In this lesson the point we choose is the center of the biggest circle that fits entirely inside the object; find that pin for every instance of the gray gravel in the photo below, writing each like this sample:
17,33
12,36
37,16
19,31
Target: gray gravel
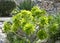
2,37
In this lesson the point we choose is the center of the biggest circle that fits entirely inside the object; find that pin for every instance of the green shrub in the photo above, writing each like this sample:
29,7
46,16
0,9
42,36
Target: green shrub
31,26
6,7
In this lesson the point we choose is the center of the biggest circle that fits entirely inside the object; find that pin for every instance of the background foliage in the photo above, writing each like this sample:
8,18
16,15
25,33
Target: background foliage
25,5
6,7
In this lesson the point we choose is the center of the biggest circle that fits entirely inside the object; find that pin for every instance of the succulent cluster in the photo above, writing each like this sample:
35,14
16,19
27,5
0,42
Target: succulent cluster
25,22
